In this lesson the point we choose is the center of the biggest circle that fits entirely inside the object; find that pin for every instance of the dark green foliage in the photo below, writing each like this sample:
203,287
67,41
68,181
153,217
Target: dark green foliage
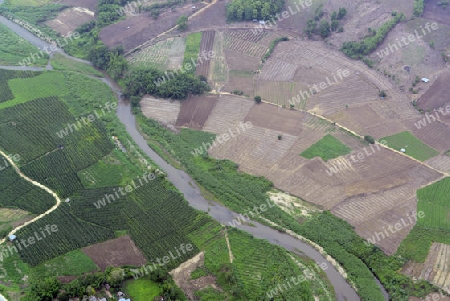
334,25
369,139
182,23
311,26
356,49
257,99
341,14
45,290
324,28
240,10
272,47
72,233
108,11
382,93
154,82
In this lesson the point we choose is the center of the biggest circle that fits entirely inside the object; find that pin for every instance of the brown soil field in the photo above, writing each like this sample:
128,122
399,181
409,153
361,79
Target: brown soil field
206,46
436,134
89,4
162,110
135,31
435,269
195,111
70,19
236,82
115,252
437,95
436,13
239,61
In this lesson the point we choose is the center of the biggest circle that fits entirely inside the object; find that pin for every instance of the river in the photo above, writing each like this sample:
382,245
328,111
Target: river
184,183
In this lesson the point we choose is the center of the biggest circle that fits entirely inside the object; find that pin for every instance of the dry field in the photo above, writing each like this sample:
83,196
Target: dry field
70,19
370,194
135,31
436,13
195,111
206,46
435,269
436,134
437,95
162,110
115,252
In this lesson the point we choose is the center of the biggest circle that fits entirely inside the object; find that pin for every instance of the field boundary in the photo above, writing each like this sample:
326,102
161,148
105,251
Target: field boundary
58,200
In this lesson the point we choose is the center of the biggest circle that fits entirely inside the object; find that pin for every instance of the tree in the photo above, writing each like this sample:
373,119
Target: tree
46,289
369,139
334,16
291,106
382,93
257,99
182,22
310,27
324,28
280,137
342,12
334,25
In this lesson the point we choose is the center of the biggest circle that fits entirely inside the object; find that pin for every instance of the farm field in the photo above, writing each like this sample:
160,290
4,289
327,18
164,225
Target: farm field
164,55
14,49
434,11
434,200
142,289
413,146
327,148
61,63
136,31
70,19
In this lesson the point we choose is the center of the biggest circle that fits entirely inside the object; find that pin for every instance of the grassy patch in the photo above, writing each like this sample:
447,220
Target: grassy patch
14,49
113,170
327,148
74,263
142,289
434,200
41,86
192,49
413,146
60,62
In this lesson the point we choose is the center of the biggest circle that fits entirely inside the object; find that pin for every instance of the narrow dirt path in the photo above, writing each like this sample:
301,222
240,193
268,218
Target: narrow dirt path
58,200
230,253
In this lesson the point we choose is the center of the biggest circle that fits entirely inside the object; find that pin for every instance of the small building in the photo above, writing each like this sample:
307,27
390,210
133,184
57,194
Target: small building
403,150
12,237
262,22
425,80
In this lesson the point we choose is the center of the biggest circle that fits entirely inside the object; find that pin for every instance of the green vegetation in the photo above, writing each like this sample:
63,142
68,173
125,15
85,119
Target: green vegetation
413,146
13,49
356,49
434,200
417,244
272,47
327,148
369,139
246,10
325,28
5,75
257,99
182,23
192,49
74,263
142,289
60,62
419,6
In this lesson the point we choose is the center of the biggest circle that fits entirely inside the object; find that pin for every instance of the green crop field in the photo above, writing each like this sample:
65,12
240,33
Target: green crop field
60,62
192,48
413,146
14,49
5,92
327,148
434,200
142,289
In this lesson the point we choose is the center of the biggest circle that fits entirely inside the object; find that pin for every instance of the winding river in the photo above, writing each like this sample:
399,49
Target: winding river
184,183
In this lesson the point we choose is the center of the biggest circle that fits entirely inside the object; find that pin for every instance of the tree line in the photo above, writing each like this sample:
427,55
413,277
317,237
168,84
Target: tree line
245,10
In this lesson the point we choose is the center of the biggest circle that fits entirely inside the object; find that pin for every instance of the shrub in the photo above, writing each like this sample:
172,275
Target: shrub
257,99
382,93
369,139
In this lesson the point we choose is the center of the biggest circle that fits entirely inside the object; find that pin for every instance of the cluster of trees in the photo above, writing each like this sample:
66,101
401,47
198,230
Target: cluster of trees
154,82
325,27
48,289
356,49
245,10
107,11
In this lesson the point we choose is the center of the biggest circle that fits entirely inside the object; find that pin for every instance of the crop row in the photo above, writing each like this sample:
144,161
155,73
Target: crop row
5,75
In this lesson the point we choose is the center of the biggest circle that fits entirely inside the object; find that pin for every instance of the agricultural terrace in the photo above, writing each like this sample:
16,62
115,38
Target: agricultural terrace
70,19
327,148
13,49
413,147
164,55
